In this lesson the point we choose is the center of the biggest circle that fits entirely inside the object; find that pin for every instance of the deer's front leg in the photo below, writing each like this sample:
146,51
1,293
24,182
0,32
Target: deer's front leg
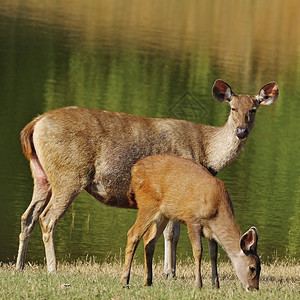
171,236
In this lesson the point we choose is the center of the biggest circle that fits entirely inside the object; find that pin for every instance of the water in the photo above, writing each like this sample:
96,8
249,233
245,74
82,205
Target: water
153,59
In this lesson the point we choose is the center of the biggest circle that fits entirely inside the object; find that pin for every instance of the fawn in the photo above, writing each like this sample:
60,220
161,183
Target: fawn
167,188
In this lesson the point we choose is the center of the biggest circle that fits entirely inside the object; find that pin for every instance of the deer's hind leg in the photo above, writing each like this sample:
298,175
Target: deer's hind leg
40,198
63,194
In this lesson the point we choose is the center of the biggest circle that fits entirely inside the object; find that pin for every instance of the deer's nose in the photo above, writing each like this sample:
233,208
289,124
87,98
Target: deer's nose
242,132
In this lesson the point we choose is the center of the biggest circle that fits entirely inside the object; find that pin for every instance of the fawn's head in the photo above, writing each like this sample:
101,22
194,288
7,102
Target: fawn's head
244,107
247,266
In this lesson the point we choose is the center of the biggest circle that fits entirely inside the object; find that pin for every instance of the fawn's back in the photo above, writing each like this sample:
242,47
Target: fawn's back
179,188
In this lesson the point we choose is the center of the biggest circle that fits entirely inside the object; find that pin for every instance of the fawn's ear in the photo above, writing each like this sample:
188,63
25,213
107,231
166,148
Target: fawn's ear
268,93
222,91
248,241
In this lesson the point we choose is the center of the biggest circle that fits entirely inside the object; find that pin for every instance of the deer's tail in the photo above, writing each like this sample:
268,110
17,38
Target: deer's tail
26,139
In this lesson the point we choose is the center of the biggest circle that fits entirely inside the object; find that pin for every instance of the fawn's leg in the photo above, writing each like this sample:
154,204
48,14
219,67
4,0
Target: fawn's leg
150,238
213,253
144,220
195,237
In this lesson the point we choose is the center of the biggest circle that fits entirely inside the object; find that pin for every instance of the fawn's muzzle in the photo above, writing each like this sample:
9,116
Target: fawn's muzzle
252,288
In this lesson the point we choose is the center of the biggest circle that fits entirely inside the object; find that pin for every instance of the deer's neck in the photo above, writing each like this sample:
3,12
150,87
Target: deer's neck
222,146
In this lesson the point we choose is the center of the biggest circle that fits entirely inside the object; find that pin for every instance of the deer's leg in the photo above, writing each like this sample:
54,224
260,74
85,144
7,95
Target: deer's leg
195,237
213,253
150,238
171,236
55,209
144,220
40,198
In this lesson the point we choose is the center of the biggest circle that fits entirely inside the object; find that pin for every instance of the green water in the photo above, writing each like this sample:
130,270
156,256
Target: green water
156,59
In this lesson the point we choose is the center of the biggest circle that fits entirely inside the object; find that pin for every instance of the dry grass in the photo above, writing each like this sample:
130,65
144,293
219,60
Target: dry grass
90,280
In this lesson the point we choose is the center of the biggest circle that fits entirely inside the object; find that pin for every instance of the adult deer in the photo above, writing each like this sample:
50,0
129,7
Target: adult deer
71,149
167,188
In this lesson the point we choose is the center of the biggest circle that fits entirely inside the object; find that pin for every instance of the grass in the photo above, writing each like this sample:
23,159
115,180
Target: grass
91,280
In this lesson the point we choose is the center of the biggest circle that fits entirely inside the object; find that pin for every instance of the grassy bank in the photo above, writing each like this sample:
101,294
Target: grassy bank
90,280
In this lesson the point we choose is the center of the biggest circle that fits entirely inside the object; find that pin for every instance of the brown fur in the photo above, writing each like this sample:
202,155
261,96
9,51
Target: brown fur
26,139
172,188
71,149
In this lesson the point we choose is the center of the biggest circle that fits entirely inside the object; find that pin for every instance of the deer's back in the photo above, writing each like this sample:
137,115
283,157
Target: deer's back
102,146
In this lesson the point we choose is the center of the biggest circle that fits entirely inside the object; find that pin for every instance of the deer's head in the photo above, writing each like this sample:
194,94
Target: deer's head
244,107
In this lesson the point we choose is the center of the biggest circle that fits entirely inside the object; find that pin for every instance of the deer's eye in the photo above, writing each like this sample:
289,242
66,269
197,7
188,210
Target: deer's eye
252,269
233,109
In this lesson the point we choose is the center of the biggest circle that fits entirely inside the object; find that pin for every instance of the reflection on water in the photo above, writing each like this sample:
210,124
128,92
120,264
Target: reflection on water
141,58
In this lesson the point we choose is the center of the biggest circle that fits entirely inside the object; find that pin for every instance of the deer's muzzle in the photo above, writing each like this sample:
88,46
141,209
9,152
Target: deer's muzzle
242,132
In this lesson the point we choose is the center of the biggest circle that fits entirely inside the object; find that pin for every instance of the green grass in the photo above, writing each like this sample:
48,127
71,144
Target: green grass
90,280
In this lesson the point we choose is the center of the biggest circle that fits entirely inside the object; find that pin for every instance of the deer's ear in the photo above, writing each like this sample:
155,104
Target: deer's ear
268,93
248,241
222,91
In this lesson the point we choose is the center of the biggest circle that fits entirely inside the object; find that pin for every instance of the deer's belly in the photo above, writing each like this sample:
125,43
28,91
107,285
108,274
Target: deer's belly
109,194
